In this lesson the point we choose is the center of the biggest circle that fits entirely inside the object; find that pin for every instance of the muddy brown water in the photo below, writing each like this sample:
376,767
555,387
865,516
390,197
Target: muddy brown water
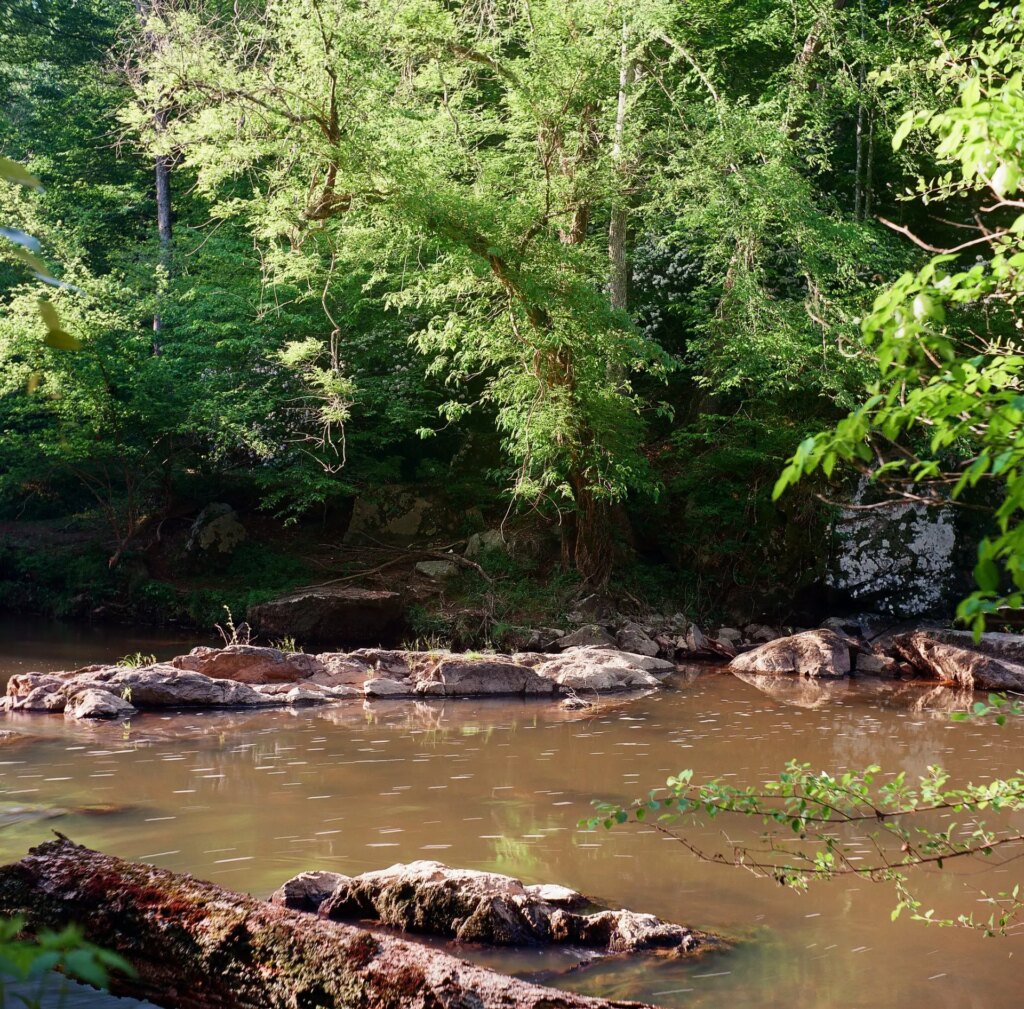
249,799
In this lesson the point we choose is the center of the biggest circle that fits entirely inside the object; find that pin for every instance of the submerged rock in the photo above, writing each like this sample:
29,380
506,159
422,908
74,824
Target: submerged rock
823,652
486,907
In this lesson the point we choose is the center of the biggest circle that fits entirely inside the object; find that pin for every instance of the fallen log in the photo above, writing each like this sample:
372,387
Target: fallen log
196,945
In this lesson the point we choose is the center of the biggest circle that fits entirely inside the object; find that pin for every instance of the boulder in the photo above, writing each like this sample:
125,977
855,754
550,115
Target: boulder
307,891
437,570
1005,647
217,529
633,638
582,637
599,669
250,664
809,653
960,667
458,676
471,906
401,513
381,686
341,669
332,613
730,635
490,540
873,664
761,633
93,703
695,640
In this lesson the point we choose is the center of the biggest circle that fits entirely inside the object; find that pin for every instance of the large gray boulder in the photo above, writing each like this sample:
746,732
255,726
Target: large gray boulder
250,664
457,676
332,614
471,906
823,652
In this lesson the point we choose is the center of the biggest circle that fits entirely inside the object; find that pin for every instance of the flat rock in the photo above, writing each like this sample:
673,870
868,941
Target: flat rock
250,664
457,676
437,570
331,613
92,703
341,668
486,907
381,686
822,652
960,667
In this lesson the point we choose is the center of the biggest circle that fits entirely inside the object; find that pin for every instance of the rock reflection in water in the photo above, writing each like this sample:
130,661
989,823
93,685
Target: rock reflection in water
903,695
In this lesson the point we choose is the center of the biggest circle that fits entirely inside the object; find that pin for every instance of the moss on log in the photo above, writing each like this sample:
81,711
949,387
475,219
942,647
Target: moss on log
196,945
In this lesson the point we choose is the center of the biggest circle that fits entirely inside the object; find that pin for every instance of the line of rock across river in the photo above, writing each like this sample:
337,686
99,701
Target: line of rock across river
248,676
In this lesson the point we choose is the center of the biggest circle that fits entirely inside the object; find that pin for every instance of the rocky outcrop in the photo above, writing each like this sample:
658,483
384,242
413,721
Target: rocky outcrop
250,664
251,676
332,614
156,686
485,907
959,667
823,652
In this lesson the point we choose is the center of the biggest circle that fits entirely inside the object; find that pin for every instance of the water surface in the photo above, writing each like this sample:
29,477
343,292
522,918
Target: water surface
248,799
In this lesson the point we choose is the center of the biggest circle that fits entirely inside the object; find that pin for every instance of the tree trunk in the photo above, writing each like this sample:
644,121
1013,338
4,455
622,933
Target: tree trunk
162,166
198,946
618,282
593,550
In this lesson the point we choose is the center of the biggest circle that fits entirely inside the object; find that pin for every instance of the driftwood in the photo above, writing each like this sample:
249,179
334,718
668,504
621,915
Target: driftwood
196,945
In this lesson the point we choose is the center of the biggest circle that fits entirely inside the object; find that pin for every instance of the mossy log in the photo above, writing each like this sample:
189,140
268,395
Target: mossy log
196,945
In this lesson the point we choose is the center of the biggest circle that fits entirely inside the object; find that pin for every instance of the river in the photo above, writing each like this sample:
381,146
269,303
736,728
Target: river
249,799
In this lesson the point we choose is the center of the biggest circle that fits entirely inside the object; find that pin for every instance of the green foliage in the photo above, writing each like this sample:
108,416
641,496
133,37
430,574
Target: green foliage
815,825
943,418
34,959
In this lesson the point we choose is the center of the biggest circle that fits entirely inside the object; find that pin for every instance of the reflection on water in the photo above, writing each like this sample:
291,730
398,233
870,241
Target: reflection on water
248,799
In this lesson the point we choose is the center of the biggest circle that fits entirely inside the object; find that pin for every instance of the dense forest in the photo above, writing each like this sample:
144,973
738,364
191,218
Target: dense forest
584,272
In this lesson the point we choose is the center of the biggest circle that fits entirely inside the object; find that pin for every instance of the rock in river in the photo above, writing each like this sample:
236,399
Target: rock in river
822,652
486,907
961,667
